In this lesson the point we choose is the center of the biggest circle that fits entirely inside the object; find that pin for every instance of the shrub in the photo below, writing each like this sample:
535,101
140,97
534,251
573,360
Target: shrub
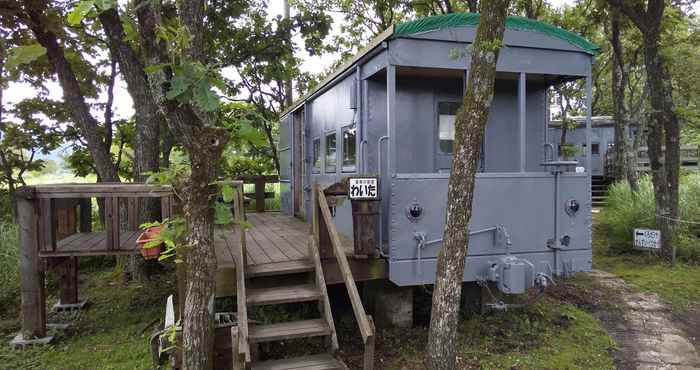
626,211
9,266
5,207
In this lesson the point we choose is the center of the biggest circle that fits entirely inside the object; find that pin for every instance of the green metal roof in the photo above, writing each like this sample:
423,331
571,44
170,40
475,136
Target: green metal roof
439,22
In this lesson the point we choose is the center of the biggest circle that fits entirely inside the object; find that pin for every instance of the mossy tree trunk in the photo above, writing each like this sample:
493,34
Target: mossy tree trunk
663,128
625,155
204,143
470,125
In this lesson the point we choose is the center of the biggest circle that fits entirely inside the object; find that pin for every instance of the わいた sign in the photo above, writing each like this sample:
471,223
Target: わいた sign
363,188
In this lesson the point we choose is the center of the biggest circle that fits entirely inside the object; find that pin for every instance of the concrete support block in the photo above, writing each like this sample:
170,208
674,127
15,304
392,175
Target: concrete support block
18,342
392,305
64,307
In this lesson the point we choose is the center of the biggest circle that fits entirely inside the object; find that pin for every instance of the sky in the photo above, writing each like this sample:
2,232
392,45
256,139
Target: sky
123,105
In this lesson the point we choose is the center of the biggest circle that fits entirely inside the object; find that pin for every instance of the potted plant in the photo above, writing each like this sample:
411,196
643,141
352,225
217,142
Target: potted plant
569,150
161,240
150,242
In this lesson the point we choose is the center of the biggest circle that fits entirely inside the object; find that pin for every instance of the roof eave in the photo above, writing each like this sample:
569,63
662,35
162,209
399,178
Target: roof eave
340,70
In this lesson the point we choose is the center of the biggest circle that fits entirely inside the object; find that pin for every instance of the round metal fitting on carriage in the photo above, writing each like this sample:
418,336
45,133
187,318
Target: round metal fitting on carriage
414,211
572,206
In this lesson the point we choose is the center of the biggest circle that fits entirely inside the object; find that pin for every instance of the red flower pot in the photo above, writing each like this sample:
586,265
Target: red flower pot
146,236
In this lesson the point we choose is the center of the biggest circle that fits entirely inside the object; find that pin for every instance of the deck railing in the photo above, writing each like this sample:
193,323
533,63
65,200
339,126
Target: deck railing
239,334
323,224
690,157
55,223
259,195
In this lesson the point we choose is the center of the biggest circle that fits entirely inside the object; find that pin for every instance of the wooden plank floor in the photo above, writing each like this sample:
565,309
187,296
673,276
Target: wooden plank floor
273,237
94,243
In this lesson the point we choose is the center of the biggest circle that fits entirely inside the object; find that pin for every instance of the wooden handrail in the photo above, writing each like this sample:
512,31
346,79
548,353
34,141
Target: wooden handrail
259,194
363,320
242,350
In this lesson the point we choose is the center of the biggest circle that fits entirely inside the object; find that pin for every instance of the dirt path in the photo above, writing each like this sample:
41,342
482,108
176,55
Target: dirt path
645,329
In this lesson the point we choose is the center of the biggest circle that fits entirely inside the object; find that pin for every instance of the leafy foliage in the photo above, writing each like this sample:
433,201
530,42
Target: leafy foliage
9,268
626,211
24,54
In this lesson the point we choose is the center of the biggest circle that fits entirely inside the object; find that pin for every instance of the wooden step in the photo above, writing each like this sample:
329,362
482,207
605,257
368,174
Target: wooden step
288,330
283,294
279,268
314,362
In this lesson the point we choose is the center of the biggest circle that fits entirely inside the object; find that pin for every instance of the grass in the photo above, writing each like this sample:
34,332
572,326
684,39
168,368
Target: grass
679,286
9,267
108,335
549,334
626,211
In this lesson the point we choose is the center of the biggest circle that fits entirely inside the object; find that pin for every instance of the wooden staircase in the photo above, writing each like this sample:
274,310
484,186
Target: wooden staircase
299,281
599,191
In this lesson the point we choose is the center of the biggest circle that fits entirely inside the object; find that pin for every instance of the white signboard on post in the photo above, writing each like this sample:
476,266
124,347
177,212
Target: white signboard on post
363,188
647,239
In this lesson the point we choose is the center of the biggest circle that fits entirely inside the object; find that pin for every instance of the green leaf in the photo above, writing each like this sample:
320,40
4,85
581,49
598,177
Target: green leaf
251,134
205,98
80,12
24,54
227,193
222,214
103,5
178,86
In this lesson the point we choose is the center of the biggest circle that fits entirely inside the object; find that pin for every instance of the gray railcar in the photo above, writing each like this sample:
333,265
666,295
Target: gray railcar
390,112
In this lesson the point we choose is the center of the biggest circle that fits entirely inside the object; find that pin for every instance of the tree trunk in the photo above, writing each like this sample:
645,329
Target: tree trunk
470,125
166,147
625,156
147,115
664,129
72,96
204,145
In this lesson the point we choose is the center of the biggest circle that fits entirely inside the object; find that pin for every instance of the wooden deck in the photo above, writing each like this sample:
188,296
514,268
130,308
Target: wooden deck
274,237
93,244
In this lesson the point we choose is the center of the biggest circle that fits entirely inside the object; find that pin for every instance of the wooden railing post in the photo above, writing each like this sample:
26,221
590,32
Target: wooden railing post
368,360
242,351
112,222
85,205
47,225
31,271
68,280
260,194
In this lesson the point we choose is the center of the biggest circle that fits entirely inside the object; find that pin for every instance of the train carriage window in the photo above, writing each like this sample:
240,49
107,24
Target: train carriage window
317,155
331,153
349,134
447,112
595,149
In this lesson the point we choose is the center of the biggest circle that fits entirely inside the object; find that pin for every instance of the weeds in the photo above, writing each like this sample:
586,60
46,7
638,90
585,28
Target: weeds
9,266
626,211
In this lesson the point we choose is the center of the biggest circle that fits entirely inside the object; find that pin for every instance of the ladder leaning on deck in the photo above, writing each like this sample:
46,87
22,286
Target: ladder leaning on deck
260,285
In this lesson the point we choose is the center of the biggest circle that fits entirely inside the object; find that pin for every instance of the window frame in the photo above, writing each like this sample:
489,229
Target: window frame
316,155
349,168
326,169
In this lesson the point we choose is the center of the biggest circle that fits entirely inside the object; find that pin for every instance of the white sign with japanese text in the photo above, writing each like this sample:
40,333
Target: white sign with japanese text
363,188
647,239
